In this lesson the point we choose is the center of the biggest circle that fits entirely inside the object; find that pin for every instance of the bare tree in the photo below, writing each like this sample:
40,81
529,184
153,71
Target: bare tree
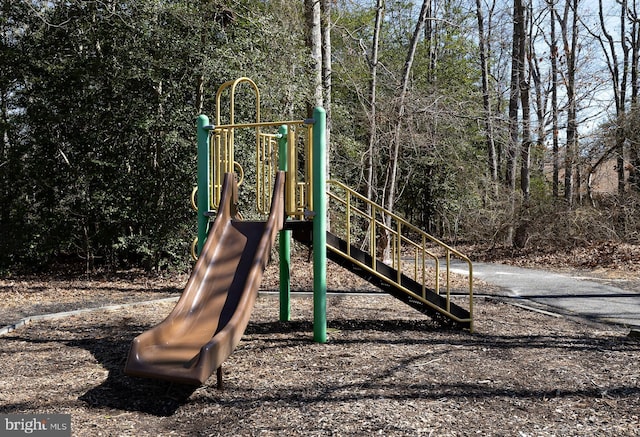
634,38
492,159
622,56
569,33
431,36
514,94
392,171
620,82
554,100
373,86
524,53
619,72
514,106
541,93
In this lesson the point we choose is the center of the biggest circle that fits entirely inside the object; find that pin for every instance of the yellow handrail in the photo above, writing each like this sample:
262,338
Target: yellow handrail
404,239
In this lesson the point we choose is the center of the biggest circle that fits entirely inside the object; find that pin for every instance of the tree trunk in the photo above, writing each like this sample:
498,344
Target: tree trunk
525,94
395,150
514,95
314,42
620,134
554,102
634,152
541,99
200,95
431,36
570,44
486,100
326,71
514,99
619,81
373,84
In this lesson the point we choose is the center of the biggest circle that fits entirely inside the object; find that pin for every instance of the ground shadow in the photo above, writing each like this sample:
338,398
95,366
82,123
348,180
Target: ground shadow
110,345
122,392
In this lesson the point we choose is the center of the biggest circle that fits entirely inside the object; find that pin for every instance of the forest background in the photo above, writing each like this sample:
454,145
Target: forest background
498,123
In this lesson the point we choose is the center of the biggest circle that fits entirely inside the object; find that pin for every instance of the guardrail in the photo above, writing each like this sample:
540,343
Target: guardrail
410,251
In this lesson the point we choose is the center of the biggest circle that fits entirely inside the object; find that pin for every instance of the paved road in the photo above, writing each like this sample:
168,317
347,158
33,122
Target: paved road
574,295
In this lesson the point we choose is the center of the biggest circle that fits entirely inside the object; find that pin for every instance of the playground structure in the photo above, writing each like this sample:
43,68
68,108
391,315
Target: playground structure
209,319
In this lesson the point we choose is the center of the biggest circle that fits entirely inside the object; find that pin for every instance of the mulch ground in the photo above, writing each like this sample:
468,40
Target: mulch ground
386,369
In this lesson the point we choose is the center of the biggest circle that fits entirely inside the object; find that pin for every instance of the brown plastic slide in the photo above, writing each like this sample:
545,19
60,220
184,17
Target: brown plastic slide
208,321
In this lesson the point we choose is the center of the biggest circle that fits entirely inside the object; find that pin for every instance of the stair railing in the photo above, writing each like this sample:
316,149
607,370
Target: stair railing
361,222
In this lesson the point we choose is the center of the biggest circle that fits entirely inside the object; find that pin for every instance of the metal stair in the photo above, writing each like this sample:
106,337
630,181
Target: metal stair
407,290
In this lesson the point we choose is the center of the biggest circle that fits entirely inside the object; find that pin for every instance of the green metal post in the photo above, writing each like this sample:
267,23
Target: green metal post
319,226
285,238
203,180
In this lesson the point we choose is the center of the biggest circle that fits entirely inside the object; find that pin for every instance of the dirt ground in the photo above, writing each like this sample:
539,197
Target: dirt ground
386,369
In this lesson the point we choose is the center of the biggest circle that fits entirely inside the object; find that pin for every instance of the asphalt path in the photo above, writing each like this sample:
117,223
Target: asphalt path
563,293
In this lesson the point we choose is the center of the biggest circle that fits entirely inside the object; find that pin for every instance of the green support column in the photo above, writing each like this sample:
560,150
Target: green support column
285,238
203,180
319,226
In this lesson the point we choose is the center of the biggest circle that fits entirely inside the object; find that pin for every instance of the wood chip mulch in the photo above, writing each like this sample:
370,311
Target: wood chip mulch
385,370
